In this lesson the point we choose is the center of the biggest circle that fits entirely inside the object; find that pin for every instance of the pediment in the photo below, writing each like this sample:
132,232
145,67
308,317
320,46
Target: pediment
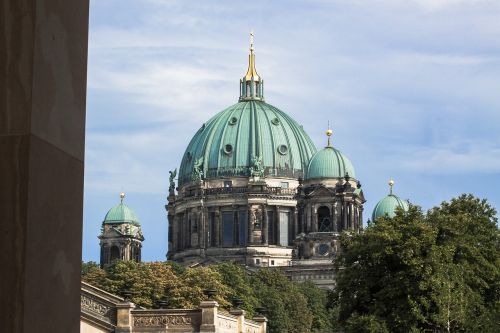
322,192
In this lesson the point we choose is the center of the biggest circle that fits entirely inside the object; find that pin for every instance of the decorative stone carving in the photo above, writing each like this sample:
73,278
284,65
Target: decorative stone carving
256,217
256,166
93,306
162,320
198,169
171,188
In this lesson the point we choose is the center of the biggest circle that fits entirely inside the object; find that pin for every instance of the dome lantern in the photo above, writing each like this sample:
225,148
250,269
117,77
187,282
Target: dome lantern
251,85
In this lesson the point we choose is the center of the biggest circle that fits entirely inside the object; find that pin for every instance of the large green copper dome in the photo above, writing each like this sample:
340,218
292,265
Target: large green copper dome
329,163
387,206
121,214
232,141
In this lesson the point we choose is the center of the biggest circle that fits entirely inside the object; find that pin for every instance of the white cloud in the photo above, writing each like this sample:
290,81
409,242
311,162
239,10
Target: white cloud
461,158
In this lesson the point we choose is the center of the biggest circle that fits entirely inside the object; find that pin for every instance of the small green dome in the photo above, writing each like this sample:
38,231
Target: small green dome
231,142
121,214
387,206
329,163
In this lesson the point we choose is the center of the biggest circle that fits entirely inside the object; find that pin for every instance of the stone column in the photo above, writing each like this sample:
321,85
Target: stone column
175,239
314,218
344,215
249,226
262,321
295,218
43,52
278,227
218,237
265,226
240,314
360,226
124,317
334,217
209,318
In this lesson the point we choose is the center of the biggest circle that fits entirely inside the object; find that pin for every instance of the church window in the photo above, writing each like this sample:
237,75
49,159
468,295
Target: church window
233,121
272,262
282,149
257,261
284,184
227,228
324,222
228,149
115,253
228,183
271,228
211,229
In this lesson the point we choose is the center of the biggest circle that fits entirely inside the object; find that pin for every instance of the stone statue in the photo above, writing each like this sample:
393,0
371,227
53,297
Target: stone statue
173,174
256,218
256,167
198,169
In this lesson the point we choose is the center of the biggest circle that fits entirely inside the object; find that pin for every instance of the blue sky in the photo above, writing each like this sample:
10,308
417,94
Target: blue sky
411,90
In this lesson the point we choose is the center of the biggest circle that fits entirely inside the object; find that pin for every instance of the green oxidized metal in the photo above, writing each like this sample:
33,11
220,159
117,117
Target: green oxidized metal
121,214
329,163
387,206
247,139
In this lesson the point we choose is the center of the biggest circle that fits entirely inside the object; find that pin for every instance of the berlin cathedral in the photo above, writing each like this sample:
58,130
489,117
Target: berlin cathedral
253,189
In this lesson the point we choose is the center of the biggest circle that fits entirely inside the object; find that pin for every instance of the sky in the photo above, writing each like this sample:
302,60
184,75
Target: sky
411,90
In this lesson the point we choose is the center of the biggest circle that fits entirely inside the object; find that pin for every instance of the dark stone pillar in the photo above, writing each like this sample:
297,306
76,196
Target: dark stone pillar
295,218
218,229
43,70
265,225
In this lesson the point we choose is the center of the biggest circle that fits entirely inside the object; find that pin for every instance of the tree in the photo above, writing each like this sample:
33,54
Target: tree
439,271
287,307
317,303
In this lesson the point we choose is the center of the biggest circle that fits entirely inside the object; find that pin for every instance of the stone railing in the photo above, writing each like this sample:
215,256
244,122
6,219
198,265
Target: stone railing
252,327
98,307
227,323
240,190
104,312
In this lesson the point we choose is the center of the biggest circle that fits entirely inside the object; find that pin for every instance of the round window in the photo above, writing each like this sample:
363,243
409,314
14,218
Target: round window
233,121
323,249
282,149
275,121
228,149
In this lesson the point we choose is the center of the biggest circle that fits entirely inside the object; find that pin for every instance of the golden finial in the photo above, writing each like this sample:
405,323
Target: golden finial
329,133
251,72
251,41
391,184
122,195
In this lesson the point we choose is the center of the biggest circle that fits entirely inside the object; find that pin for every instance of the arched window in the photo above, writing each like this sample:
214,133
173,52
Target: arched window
115,253
324,222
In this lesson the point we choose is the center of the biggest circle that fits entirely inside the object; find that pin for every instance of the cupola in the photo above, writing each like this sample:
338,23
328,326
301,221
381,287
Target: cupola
251,85
329,163
388,205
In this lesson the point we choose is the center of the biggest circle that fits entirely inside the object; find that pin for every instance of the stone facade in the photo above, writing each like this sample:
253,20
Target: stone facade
265,222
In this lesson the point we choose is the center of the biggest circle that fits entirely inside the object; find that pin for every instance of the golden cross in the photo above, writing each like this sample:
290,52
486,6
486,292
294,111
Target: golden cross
251,39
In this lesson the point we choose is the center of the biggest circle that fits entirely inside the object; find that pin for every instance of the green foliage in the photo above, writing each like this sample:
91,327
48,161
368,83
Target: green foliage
292,307
365,324
438,271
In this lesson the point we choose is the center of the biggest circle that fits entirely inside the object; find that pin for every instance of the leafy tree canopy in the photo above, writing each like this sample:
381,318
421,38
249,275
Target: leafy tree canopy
437,272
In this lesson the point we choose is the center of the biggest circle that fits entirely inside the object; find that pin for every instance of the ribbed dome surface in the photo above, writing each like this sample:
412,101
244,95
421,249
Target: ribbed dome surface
225,145
329,163
121,214
387,206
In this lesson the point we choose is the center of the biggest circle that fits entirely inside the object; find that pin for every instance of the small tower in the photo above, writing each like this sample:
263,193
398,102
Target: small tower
121,236
330,200
387,206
